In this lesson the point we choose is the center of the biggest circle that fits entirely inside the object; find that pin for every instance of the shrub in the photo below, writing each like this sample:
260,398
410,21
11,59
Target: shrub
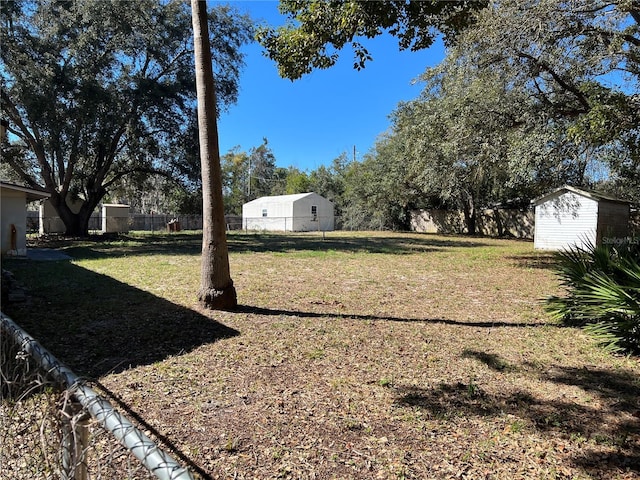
603,293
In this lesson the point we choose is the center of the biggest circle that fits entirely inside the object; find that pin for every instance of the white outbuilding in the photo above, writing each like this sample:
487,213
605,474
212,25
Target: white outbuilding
571,216
302,212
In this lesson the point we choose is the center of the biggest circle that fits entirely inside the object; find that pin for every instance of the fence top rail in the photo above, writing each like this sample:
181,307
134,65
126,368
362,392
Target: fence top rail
158,462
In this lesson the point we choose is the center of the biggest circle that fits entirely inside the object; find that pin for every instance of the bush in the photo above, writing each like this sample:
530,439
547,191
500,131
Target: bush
603,293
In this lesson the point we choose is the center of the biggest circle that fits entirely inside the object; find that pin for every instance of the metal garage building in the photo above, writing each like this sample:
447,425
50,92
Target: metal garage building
302,212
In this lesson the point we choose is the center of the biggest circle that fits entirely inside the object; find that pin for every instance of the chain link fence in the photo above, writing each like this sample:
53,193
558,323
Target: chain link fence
136,221
54,426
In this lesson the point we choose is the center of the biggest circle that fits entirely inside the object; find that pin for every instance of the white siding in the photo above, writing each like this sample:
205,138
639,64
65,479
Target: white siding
288,213
565,219
277,213
303,218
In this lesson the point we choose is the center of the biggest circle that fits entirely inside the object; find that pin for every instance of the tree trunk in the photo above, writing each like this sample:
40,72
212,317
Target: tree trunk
499,224
76,224
469,210
216,287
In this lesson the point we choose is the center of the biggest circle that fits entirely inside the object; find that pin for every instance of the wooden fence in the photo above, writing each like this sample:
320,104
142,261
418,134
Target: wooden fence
490,222
137,221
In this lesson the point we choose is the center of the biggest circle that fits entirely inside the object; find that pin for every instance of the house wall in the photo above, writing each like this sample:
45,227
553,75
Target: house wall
613,222
565,219
14,212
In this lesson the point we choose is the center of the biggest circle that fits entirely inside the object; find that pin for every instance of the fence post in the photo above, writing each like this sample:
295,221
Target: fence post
75,441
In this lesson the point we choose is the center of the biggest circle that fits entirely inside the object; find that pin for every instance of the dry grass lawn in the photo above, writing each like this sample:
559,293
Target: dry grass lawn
364,356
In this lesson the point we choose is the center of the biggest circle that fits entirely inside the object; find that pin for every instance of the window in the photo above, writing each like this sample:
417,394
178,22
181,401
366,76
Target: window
264,212
314,213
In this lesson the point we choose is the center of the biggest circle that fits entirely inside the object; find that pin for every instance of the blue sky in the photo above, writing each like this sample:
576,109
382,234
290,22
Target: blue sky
313,120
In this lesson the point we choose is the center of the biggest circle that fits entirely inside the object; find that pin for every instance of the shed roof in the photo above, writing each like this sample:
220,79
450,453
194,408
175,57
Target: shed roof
282,198
32,193
578,191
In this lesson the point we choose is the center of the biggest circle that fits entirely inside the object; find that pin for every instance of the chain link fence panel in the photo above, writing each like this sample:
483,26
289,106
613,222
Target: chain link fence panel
54,426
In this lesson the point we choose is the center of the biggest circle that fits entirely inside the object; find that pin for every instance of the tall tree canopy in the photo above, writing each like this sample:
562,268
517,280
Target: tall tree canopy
578,65
235,180
99,90
318,29
262,165
531,95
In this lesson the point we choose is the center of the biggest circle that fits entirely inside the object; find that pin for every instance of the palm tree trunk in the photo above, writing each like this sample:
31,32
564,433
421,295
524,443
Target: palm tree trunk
216,287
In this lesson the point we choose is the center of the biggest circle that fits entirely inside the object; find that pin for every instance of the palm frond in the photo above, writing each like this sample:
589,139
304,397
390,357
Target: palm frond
603,293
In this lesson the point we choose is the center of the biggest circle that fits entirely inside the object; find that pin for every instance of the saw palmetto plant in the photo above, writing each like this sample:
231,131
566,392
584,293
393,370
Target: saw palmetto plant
603,293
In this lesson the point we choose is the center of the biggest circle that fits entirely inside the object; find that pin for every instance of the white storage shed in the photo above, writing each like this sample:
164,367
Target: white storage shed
302,212
115,218
572,216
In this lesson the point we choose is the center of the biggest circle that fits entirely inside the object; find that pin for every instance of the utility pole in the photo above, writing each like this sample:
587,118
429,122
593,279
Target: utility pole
249,182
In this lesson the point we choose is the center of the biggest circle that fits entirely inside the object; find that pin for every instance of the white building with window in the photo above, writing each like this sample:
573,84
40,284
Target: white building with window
302,212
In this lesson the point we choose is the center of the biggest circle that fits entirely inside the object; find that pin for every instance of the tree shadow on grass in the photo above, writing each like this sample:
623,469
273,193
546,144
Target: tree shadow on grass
491,360
620,385
97,325
619,389
542,261
120,245
190,243
385,318
612,421
346,242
